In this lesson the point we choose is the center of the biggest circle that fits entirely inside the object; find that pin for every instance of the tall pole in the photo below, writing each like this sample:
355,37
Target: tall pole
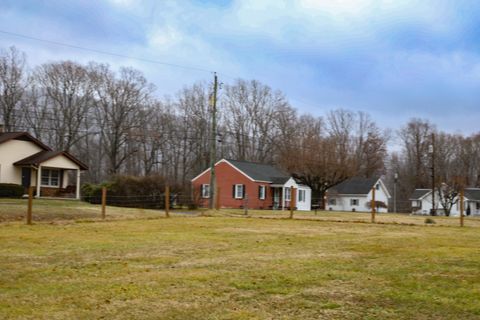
461,206
432,152
395,178
213,140
373,204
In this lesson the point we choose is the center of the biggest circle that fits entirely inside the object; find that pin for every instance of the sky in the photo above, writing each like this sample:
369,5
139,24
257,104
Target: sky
394,59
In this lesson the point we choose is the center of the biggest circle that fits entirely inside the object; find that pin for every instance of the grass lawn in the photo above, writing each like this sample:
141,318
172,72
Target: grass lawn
47,210
237,268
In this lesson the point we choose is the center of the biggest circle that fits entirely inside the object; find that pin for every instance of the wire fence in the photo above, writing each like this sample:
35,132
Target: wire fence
114,206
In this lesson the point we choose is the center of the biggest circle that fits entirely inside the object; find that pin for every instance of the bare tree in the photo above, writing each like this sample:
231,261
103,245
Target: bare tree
69,90
118,102
12,86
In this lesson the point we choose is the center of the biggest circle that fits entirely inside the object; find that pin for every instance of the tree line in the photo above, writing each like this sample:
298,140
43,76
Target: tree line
114,122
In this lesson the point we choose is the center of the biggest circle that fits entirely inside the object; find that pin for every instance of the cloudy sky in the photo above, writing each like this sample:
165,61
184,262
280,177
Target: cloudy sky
394,59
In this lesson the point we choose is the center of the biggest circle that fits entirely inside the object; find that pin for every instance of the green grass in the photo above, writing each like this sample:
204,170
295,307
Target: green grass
237,268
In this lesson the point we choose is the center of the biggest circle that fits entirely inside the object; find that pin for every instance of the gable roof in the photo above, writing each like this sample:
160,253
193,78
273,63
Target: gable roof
420,193
472,194
355,185
42,156
254,171
260,171
24,136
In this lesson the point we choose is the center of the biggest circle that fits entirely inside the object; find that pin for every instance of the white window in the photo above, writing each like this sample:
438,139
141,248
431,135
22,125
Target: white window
239,191
261,192
416,204
301,195
50,177
287,194
354,202
332,201
205,191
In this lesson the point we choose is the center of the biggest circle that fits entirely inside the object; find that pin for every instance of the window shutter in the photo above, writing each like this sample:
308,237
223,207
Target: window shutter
201,190
243,195
259,192
233,192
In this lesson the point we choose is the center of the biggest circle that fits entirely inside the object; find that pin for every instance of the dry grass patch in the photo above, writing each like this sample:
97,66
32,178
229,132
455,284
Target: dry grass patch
235,268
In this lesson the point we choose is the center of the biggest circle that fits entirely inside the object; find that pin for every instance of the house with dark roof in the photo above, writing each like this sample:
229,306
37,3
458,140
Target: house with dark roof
421,202
26,161
355,194
256,185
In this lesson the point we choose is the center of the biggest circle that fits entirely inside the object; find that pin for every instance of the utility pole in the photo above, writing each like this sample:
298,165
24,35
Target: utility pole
395,179
213,140
431,150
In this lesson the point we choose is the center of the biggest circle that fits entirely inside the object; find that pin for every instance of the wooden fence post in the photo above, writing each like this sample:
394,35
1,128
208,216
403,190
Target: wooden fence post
461,207
104,202
245,205
217,199
292,201
30,203
167,202
373,205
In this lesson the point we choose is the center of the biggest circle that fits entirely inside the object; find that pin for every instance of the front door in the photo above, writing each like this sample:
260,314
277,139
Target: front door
26,177
276,198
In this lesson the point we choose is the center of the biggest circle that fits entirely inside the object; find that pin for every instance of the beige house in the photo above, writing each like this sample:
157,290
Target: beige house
25,160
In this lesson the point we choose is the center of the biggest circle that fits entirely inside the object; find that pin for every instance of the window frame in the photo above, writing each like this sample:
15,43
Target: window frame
288,194
354,202
332,201
262,192
238,187
47,174
301,195
205,195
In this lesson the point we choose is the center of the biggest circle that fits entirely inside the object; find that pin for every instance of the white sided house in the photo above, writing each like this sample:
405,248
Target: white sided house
355,194
421,202
26,161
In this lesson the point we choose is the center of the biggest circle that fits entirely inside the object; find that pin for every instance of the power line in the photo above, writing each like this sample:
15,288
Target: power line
67,45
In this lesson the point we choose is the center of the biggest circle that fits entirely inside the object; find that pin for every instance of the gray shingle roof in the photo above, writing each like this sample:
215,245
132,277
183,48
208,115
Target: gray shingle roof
472,194
419,193
260,171
355,185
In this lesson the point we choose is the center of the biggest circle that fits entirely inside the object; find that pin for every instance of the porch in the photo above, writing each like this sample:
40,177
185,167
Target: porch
50,174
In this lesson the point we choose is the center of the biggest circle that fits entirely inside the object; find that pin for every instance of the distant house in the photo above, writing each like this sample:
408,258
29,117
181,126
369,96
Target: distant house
355,194
421,202
256,185
26,161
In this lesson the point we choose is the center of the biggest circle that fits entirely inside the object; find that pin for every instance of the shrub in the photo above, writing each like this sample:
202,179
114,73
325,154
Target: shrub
131,191
11,190
429,221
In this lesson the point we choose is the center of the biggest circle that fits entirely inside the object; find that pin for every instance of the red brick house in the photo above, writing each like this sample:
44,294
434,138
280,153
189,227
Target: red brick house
257,185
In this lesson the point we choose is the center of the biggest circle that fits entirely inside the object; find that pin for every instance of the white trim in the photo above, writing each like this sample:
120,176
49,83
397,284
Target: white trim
39,179
226,161
204,185
236,191
263,195
50,171
426,194
204,171
77,190
384,188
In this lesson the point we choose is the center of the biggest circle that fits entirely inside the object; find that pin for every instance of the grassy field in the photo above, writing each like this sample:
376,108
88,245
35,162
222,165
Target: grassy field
229,267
